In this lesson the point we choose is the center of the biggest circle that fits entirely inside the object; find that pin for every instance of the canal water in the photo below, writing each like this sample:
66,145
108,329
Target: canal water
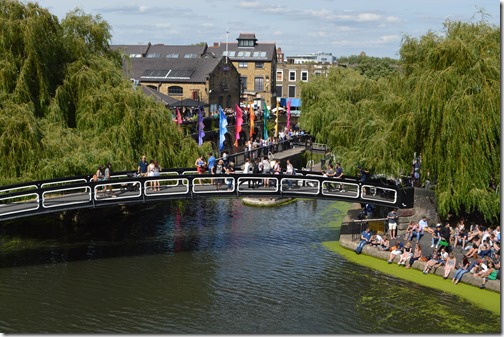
209,266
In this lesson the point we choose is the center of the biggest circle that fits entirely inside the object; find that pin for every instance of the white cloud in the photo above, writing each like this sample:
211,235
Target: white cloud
367,17
388,39
249,4
318,34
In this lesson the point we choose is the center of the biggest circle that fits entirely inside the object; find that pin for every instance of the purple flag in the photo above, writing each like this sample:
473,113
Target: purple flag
201,127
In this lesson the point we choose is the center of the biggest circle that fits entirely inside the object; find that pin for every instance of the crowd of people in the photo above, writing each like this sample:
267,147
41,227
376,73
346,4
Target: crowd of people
253,165
477,247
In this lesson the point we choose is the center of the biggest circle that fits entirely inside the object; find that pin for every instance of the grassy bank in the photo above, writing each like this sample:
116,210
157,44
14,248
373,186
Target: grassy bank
485,299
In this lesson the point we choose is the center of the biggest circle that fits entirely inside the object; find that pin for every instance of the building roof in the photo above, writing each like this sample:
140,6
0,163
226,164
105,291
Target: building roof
158,96
261,52
191,70
162,51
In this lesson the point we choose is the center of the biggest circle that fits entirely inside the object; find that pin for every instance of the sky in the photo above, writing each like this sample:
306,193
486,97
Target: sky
342,28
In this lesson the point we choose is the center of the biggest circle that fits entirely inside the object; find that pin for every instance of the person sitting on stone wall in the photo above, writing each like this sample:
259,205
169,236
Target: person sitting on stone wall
417,254
434,262
365,239
489,274
406,255
395,250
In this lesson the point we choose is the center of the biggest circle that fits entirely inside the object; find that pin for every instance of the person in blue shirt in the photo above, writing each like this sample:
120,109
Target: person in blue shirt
365,239
142,167
211,161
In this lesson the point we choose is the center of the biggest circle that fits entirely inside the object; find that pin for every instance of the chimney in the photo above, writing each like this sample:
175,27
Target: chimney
216,44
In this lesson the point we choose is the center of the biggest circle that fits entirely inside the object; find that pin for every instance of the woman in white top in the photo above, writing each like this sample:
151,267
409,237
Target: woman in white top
150,173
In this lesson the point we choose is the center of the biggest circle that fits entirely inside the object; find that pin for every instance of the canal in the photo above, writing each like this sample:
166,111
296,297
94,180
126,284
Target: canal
209,266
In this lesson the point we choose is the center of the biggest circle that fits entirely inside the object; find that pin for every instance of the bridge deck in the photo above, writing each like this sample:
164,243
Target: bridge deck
79,192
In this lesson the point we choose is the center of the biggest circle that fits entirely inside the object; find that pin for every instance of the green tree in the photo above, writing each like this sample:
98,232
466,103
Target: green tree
443,103
66,105
371,67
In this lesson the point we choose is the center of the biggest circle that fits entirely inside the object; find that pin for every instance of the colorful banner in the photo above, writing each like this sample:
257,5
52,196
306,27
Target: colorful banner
179,117
201,127
276,121
239,122
252,118
288,114
265,117
222,128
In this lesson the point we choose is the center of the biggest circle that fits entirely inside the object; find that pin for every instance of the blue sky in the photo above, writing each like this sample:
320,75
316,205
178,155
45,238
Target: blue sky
342,28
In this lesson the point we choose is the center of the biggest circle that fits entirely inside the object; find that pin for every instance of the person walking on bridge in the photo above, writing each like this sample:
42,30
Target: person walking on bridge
339,175
108,188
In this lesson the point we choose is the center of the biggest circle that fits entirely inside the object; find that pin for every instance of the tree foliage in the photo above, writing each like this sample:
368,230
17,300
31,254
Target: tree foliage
371,67
65,105
443,103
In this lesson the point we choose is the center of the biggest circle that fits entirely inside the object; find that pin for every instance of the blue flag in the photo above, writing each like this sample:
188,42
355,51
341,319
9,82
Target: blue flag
201,127
266,116
222,128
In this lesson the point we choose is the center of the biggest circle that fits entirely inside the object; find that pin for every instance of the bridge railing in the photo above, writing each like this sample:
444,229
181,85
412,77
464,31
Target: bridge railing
79,192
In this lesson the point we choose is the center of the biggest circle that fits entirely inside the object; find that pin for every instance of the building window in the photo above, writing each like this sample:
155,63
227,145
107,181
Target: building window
243,80
175,90
304,76
153,56
242,64
279,76
292,75
279,91
191,56
292,91
195,94
259,65
245,43
258,84
172,56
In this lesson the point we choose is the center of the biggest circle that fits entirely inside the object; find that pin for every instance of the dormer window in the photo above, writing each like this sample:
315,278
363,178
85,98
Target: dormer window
245,43
247,40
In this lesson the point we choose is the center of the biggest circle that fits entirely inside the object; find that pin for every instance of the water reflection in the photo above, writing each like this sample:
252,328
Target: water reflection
212,266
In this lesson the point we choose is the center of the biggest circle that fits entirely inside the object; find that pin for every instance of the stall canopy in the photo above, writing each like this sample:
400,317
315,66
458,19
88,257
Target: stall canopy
295,102
188,102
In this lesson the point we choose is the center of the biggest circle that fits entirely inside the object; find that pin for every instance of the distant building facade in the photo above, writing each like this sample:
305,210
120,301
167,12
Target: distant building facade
183,73
298,69
256,62
191,72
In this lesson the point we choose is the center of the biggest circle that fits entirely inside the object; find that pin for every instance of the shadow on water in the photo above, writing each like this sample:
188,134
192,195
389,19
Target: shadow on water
165,228
94,234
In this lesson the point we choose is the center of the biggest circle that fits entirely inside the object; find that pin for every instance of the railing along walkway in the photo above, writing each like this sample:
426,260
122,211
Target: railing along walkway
123,187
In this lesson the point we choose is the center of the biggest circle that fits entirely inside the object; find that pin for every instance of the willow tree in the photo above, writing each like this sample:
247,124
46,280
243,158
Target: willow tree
444,105
356,117
453,107
66,105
